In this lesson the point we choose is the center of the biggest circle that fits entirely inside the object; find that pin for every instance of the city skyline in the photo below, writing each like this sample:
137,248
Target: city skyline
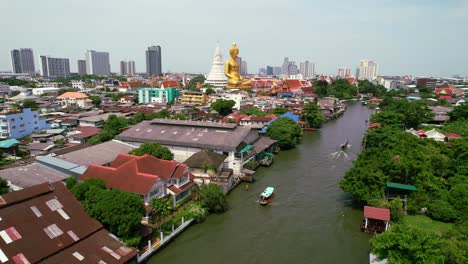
396,34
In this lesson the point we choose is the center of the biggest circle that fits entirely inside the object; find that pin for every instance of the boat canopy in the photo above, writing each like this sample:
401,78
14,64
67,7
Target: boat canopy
268,192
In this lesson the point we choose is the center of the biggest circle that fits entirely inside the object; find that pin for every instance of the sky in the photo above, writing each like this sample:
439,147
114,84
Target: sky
415,37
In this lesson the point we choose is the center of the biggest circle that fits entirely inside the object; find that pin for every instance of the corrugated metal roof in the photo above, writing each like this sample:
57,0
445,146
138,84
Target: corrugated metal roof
8,143
56,162
401,186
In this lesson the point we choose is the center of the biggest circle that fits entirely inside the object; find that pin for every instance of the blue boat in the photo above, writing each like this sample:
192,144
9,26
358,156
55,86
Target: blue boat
267,196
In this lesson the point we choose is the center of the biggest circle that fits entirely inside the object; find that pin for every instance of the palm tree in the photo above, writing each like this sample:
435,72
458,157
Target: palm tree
162,207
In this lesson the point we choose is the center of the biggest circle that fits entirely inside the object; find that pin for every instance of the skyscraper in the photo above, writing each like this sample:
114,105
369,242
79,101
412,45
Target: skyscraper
131,68
123,68
153,61
244,70
344,72
81,67
269,70
97,63
55,67
307,69
22,61
285,66
368,70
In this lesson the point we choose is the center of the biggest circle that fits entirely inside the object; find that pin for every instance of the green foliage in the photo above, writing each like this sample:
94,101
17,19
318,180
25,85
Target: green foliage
17,82
396,209
342,89
119,212
223,107
460,127
408,245
365,86
111,128
161,207
179,116
458,197
442,210
251,165
312,115
388,118
210,91
153,149
30,104
96,99
193,82
70,182
285,131
253,112
59,142
459,112
321,88
414,113
196,211
280,111
4,188
213,198
62,91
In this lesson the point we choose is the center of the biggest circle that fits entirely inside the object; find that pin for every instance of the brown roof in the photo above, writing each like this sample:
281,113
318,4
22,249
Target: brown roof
31,174
135,174
199,159
45,222
263,143
377,213
86,131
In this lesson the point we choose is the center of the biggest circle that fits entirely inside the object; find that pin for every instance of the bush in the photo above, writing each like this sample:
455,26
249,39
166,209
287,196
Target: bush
70,182
213,198
442,210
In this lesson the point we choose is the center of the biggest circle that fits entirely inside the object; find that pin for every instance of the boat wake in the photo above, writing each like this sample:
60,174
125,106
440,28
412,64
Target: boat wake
339,155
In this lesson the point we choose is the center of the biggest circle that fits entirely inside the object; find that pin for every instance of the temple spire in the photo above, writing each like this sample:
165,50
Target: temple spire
216,76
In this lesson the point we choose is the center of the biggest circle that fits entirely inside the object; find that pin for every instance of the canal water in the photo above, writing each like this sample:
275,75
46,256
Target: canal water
310,220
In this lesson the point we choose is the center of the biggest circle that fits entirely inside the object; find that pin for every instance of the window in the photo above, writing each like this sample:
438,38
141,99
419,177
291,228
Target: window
12,120
13,127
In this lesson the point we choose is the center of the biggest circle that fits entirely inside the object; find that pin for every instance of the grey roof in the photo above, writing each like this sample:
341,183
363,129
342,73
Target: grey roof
31,174
59,163
204,135
199,159
263,143
98,154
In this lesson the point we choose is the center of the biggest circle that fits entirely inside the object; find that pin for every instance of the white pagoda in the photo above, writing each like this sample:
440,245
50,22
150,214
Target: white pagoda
216,76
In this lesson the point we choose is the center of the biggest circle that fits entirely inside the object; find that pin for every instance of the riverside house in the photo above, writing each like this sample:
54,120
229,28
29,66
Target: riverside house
185,138
146,176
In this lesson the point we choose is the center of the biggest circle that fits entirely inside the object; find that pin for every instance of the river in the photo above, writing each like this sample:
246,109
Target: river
310,220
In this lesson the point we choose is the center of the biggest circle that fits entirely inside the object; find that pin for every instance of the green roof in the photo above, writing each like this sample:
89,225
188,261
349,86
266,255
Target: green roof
401,186
246,148
8,143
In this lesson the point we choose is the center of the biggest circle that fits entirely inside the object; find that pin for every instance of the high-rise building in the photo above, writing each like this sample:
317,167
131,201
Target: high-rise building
368,70
292,69
216,77
277,70
269,70
22,61
153,61
55,67
285,66
131,68
344,72
123,68
97,63
243,67
81,67
307,69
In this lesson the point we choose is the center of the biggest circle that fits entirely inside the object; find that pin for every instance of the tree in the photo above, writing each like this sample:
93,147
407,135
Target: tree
223,107
280,110
253,111
210,91
30,104
153,149
4,188
388,118
408,245
193,82
161,208
213,198
179,116
96,99
285,131
312,115
70,182
459,112
80,190
321,88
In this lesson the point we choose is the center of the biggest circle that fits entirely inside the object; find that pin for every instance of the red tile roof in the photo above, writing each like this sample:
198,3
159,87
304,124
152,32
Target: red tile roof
136,174
377,213
170,83
453,136
373,125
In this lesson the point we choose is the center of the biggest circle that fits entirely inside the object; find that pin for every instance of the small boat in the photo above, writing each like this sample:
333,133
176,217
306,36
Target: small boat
345,145
267,196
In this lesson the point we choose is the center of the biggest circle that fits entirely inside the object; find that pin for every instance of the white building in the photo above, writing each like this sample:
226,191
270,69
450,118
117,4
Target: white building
44,90
368,70
70,99
307,69
216,77
242,99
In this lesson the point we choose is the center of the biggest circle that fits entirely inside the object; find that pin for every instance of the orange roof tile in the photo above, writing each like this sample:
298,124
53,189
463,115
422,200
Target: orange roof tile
76,95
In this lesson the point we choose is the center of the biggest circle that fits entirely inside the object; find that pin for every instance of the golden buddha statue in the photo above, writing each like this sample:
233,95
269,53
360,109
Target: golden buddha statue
231,70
